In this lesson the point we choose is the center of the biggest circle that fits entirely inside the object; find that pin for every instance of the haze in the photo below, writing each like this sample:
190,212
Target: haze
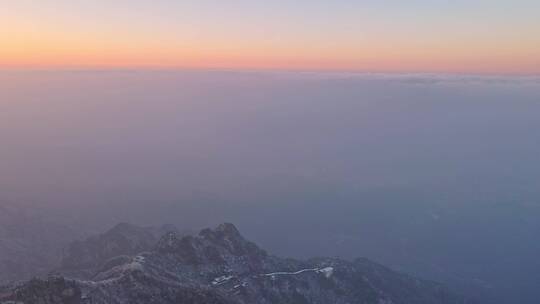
431,174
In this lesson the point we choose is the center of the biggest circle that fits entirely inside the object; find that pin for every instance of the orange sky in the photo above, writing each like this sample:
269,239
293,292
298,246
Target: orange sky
59,36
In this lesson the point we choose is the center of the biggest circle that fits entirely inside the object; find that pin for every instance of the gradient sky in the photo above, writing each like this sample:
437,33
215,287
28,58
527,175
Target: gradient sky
415,36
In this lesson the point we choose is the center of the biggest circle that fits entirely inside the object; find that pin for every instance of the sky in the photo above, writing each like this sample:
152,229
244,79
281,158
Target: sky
481,36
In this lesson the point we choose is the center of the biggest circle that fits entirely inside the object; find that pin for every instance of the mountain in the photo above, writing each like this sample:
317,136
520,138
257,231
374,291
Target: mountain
82,258
35,241
219,266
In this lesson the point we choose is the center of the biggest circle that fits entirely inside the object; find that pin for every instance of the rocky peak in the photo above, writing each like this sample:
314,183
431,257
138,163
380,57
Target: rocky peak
210,246
225,230
83,258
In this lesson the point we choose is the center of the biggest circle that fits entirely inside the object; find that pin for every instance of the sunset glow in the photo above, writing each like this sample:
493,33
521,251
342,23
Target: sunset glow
417,36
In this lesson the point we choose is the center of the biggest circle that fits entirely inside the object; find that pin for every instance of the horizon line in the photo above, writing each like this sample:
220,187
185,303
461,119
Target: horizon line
261,70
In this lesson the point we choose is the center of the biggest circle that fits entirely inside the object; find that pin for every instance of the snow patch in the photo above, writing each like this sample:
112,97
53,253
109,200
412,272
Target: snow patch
221,280
136,264
327,271
244,284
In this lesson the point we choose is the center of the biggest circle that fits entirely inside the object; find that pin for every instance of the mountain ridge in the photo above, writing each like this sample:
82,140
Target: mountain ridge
220,266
